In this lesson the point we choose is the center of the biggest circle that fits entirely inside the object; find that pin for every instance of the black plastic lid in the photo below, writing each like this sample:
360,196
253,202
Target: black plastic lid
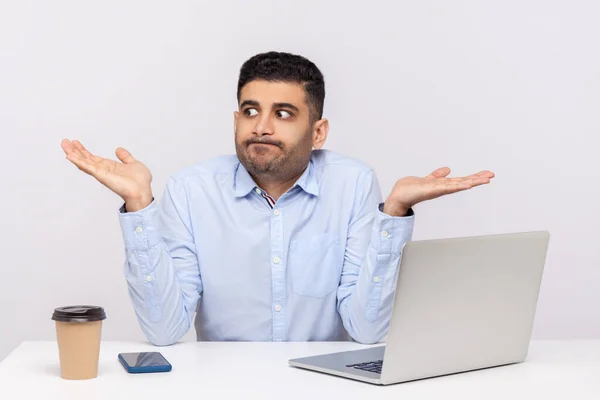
79,314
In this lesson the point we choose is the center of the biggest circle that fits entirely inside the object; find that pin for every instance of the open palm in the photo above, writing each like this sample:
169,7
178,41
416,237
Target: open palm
412,190
129,178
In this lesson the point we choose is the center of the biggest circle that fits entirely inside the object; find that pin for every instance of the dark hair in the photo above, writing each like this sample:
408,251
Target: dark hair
285,67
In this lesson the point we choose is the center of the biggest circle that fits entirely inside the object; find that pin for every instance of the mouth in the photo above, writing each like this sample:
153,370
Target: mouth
262,144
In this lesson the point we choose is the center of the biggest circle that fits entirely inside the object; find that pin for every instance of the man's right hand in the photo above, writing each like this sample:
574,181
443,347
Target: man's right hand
129,178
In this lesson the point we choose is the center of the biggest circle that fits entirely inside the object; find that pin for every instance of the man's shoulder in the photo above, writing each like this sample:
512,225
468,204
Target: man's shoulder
331,161
207,169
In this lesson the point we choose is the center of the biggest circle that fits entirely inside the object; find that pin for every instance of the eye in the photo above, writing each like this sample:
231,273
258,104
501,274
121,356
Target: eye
283,114
251,112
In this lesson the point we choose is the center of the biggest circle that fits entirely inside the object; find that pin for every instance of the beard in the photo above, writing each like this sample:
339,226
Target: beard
272,160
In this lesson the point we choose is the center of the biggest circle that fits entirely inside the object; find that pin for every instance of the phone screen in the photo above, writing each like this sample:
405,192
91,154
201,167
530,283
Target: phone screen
146,359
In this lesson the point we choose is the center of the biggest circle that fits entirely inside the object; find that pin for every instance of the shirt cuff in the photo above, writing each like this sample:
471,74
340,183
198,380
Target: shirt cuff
139,228
389,234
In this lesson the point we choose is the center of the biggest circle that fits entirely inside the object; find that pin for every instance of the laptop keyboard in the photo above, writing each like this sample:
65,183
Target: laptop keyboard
371,366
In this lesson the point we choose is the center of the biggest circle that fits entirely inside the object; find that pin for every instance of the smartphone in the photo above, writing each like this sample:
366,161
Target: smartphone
137,363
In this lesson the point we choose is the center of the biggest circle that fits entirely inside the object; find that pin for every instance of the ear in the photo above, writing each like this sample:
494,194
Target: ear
320,132
235,120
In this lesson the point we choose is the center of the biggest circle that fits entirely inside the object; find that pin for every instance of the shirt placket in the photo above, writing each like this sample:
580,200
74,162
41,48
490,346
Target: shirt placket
278,275
277,267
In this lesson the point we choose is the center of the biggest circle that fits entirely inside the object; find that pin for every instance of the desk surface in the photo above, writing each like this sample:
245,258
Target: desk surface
561,369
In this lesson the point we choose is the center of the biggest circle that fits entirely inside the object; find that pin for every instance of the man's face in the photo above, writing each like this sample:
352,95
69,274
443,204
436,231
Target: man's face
273,130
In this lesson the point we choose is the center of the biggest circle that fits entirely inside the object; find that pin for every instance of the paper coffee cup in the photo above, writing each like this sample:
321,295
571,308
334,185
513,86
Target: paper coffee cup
78,331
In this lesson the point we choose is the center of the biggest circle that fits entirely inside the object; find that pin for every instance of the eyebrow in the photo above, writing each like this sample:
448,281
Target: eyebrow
255,103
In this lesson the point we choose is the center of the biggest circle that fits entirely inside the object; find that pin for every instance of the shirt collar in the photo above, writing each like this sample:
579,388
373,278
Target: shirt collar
308,180
242,181
244,184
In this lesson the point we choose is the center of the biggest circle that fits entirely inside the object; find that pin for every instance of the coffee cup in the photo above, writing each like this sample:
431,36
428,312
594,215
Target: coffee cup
78,332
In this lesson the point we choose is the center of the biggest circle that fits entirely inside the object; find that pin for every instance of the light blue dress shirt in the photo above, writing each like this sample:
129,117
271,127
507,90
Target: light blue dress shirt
320,265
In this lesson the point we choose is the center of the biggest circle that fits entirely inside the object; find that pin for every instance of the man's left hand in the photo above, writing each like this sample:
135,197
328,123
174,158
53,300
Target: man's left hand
412,190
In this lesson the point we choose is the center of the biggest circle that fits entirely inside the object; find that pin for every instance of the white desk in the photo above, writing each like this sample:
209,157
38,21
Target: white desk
204,370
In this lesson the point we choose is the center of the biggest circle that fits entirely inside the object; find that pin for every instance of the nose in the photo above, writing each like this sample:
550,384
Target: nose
264,126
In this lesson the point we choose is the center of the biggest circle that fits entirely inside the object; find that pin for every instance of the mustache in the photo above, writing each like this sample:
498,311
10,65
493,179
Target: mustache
264,141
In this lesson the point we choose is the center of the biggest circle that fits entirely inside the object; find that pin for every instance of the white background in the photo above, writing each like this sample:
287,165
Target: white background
510,86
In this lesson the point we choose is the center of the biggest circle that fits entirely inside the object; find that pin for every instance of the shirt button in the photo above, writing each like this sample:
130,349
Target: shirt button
148,278
384,233
257,190
276,260
376,279
276,212
138,230
278,307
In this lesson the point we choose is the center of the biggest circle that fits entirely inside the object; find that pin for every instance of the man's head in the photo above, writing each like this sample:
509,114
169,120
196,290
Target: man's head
279,119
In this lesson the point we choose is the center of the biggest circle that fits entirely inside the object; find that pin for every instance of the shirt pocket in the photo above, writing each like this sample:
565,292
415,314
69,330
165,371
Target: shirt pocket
314,265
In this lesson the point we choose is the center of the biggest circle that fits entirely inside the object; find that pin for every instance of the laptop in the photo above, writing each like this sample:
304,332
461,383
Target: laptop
461,304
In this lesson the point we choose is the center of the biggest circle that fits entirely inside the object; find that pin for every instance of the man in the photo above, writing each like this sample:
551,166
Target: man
282,242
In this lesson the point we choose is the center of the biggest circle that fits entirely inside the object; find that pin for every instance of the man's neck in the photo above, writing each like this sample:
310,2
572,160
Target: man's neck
276,189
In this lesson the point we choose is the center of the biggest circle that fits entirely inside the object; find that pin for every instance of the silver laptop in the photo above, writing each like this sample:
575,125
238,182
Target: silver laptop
460,305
